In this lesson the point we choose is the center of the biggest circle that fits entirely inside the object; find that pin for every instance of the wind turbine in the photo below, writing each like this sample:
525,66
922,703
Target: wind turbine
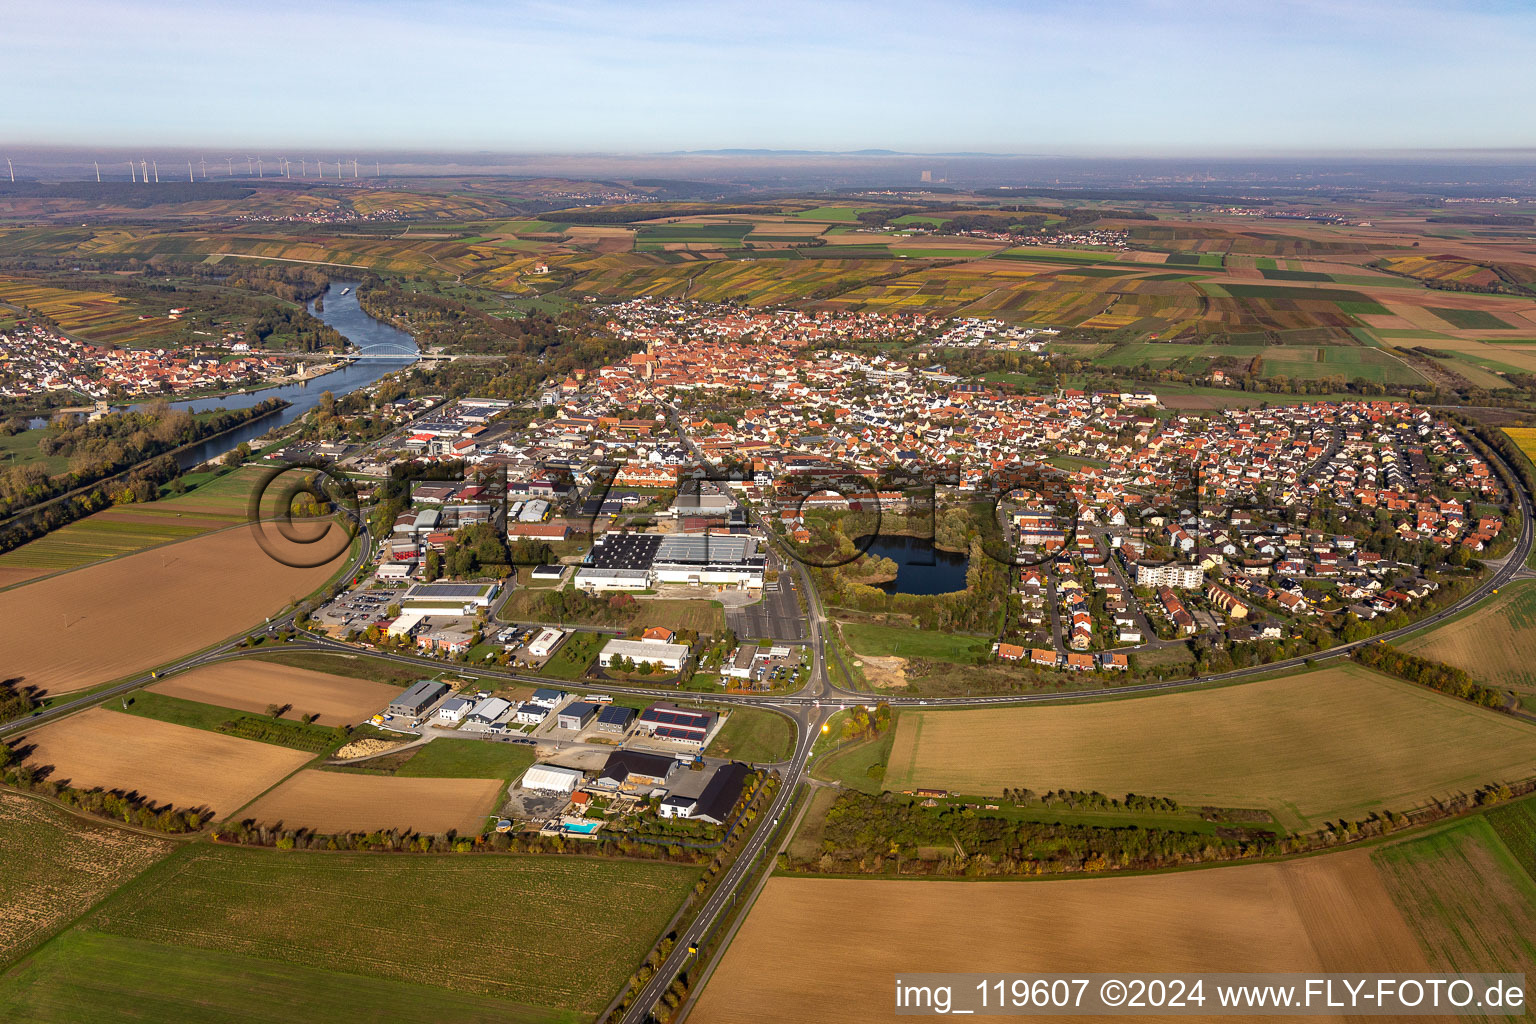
10,168
132,174
157,172
203,164
354,167
189,170
231,162
375,168
98,171
248,169
143,171
286,173
338,168
303,167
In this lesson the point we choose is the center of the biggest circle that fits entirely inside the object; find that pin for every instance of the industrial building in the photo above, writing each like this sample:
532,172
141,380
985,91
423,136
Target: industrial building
615,719
543,645
487,711
577,715
417,698
454,709
634,770
669,657
669,722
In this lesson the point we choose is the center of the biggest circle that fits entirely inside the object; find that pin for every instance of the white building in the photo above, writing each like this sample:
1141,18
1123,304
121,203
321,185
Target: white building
552,778
1171,574
488,711
543,645
454,709
613,579
664,656
530,714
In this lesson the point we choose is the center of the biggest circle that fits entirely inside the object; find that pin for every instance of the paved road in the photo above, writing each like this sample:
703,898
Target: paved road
809,709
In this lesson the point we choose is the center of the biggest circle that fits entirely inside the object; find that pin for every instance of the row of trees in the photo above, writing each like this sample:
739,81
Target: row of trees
1433,674
129,808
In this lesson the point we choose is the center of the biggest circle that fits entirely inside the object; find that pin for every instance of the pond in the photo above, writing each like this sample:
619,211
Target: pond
921,568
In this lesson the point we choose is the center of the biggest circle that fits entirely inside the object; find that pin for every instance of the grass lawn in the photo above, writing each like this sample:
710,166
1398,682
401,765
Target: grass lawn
537,930
21,449
754,736
860,765
450,758
574,656
881,641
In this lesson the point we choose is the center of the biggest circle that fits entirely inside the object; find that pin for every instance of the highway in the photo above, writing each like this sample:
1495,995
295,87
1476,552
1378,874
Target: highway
809,708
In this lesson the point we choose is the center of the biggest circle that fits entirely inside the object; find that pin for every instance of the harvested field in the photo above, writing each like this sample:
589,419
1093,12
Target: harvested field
345,802
1335,742
57,865
253,685
1494,643
163,762
807,937
107,621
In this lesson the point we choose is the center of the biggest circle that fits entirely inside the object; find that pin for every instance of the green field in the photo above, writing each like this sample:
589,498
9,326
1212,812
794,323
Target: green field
1471,905
1471,319
541,931
880,641
283,732
447,758
754,736
87,976
221,502
21,449
1515,824
834,214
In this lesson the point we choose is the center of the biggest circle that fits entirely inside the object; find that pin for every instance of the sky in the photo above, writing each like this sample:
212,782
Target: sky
1085,77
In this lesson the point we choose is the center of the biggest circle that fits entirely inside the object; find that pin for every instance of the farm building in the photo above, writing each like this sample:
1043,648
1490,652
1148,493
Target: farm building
577,715
417,698
669,722
665,656
551,778
615,719
543,645
454,709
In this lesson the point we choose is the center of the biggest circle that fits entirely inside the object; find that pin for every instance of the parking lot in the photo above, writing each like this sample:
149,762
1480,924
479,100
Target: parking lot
776,617
357,609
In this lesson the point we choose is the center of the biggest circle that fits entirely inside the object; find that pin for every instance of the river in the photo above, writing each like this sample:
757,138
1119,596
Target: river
346,315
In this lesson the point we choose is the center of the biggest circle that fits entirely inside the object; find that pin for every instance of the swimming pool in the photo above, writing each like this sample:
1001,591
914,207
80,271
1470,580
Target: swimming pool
584,828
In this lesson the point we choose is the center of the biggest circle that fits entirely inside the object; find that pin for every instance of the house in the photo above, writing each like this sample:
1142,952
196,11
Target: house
1226,602
530,713
1010,652
577,715
1112,662
417,698
659,635
546,698
454,709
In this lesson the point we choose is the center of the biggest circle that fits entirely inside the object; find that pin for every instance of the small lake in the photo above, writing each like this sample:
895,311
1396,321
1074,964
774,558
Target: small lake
920,567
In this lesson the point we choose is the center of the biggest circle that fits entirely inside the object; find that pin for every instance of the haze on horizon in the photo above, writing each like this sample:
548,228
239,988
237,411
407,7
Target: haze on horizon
1122,77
